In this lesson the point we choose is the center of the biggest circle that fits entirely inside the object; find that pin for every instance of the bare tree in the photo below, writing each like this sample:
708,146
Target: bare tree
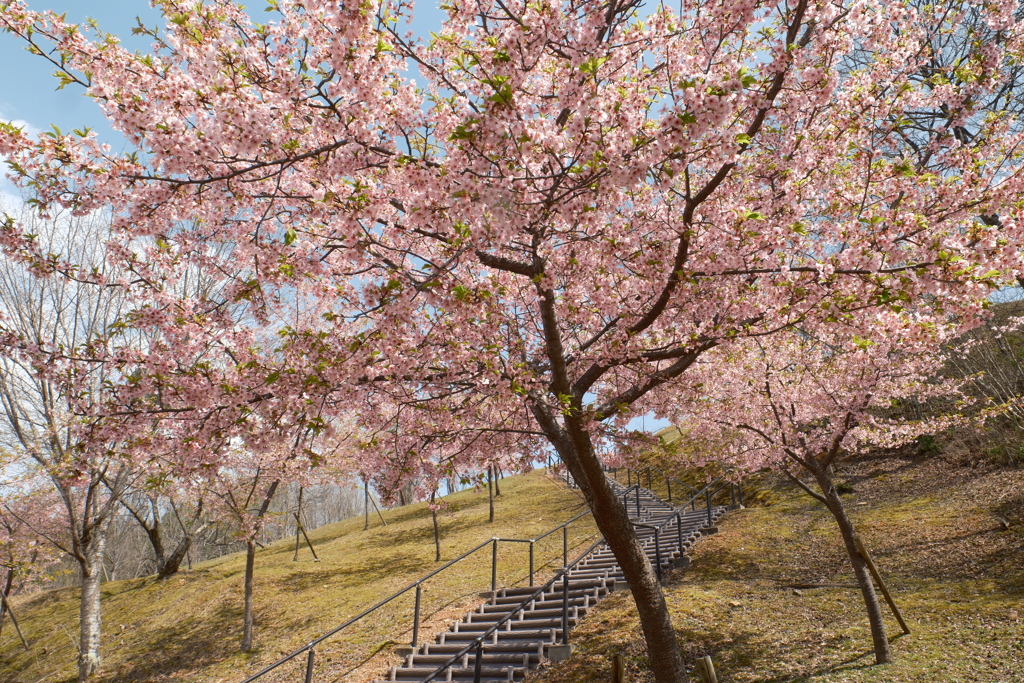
37,422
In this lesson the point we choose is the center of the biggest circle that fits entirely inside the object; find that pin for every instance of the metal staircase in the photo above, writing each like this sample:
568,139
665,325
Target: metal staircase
519,628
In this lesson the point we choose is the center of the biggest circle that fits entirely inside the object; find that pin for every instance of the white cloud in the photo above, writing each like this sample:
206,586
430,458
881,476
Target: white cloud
10,197
31,130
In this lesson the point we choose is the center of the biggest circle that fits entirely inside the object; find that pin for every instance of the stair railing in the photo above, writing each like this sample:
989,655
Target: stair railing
417,585
478,642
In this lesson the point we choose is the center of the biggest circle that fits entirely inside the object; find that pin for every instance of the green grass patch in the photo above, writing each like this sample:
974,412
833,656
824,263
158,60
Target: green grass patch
957,576
189,627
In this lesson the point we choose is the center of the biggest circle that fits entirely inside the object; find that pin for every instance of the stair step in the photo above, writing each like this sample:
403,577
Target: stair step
518,645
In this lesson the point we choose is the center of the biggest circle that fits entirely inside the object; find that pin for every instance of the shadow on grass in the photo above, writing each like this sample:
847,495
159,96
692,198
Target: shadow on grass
186,646
354,575
743,649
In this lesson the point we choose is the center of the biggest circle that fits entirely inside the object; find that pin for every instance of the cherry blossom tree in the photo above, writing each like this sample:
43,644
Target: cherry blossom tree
30,515
526,246
800,402
43,321
150,505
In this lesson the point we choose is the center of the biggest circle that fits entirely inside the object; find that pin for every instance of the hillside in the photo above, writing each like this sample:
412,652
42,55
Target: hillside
188,628
934,529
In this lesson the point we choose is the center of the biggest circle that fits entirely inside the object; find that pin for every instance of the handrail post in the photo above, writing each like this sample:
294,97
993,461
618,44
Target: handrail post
565,544
679,530
657,550
638,498
565,605
416,617
479,660
707,500
309,666
494,565
531,564
668,482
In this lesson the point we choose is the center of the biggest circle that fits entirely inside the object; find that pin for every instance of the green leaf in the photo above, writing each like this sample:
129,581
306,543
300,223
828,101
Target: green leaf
290,236
862,343
462,133
743,139
592,65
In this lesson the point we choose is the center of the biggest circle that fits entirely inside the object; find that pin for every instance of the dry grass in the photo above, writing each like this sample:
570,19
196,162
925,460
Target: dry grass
933,529
189,627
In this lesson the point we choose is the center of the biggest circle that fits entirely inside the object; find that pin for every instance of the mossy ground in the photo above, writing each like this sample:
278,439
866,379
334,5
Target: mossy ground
934,530
188,628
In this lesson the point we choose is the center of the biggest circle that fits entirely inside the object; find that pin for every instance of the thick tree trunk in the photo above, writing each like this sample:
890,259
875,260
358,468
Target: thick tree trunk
250,563
173,562
577,453
497,477
89,612
156,540
883,655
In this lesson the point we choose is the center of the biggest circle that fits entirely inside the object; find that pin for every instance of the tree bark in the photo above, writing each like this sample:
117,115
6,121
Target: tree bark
173,562
89,610
250,563
490,494
7,593
576,451
497,477
883,654
298,526
437,530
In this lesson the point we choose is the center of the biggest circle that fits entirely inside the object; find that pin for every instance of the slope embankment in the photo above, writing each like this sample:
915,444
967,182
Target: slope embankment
188,628
937,531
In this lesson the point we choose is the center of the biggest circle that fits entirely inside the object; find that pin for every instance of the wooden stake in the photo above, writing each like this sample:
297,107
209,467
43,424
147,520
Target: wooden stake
377,509
618,669
298,527
7,607
881,584
706,670
308,542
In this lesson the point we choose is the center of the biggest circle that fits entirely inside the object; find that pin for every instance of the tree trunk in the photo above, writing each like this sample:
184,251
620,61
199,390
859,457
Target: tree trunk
576,451
437,530
173,562
490,494
156,540
883,655
298,526
366,506
250,563
497,486
89,611
7,594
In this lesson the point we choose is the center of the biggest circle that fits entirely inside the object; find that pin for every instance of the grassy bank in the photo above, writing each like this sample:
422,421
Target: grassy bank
934,529
189,627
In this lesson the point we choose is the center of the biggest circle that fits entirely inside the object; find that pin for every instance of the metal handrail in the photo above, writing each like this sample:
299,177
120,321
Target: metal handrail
417,585
493,542
477,642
